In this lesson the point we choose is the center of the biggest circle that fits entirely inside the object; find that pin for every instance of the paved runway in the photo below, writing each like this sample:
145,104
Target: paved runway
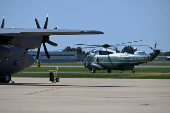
37,95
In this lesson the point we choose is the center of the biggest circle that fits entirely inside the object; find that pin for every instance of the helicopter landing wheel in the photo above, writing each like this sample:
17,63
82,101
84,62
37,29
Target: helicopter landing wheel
108,71
133,71
93,71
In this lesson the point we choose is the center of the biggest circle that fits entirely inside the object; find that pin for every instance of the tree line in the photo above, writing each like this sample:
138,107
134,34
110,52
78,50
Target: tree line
79,50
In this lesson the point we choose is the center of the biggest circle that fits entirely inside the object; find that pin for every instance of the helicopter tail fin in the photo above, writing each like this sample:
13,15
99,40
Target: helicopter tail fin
154,54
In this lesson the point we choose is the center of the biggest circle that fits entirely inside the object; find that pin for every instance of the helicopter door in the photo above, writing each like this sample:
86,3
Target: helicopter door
128,59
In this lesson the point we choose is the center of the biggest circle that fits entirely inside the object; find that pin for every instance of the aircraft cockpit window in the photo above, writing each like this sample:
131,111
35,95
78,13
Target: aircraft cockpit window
88,58
96,52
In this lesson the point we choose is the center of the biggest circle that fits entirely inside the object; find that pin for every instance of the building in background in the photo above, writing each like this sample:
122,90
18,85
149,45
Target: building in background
55,57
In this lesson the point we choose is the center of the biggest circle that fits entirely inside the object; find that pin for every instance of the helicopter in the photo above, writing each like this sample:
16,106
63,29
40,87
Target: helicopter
108,59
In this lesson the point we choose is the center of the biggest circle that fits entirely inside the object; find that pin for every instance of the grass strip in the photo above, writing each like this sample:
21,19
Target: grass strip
96,75
85,70
153,63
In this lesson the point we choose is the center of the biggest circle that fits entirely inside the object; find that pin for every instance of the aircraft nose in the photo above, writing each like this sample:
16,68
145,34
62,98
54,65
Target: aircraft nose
30,61
5,51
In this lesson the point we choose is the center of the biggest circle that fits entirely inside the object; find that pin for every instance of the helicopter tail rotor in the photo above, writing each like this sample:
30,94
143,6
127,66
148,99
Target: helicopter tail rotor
155,52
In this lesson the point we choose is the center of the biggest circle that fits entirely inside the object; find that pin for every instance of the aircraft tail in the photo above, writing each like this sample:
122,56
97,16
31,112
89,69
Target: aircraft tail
154,54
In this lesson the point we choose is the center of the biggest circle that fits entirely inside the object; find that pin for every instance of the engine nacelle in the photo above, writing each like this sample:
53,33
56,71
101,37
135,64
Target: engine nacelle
5,51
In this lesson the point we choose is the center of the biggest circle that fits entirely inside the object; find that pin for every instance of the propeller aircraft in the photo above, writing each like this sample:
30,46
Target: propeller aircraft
15,43
108,59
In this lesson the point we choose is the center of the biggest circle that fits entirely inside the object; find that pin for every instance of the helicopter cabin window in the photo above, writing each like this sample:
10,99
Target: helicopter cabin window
101,59
105,52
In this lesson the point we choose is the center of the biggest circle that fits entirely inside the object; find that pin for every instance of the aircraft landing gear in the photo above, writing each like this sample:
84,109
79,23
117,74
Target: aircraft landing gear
5,79
133,71
93,71
108,71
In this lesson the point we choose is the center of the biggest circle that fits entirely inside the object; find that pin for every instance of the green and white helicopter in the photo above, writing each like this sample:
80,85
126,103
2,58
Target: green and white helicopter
108,59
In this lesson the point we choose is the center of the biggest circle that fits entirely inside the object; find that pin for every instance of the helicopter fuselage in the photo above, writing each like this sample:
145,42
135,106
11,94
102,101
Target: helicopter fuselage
115,61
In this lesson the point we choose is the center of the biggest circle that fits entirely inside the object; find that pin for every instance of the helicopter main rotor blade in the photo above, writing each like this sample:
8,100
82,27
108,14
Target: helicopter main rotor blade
129,42
81,44
131,45
3,21
88,47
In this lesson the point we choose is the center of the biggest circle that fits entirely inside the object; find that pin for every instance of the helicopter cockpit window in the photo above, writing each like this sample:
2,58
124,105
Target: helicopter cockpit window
88,58
96,52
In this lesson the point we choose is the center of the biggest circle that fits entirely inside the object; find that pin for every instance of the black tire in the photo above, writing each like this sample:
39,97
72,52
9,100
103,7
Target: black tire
93,71
6,79
57,79
108,71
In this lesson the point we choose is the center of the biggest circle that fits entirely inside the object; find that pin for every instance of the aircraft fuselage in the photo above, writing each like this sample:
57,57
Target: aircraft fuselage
118,61
18,61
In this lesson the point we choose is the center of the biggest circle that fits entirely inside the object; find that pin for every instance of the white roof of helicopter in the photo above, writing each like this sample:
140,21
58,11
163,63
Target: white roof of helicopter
113,53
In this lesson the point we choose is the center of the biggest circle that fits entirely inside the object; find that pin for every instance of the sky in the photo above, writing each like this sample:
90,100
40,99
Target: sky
120,20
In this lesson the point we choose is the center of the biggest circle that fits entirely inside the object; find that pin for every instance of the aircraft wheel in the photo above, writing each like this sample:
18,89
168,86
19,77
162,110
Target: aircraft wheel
93,71
57,79
6,79
133,71
108,71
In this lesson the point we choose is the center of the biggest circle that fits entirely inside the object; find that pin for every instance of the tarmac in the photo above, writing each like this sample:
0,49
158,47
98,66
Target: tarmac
81,95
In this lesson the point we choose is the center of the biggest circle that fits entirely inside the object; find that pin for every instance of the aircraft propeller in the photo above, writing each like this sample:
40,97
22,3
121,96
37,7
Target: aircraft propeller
3,21
45,39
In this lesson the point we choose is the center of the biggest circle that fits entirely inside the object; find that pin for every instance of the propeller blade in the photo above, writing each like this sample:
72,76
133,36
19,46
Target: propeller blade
3,21
52,43
46,52
38,25
46,39
150,47
155,44
46,23
37,55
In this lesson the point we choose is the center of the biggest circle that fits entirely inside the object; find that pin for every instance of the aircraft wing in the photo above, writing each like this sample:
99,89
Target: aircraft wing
44,32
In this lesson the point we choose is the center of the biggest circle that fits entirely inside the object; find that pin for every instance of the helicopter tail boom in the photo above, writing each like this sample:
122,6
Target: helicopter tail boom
153,55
